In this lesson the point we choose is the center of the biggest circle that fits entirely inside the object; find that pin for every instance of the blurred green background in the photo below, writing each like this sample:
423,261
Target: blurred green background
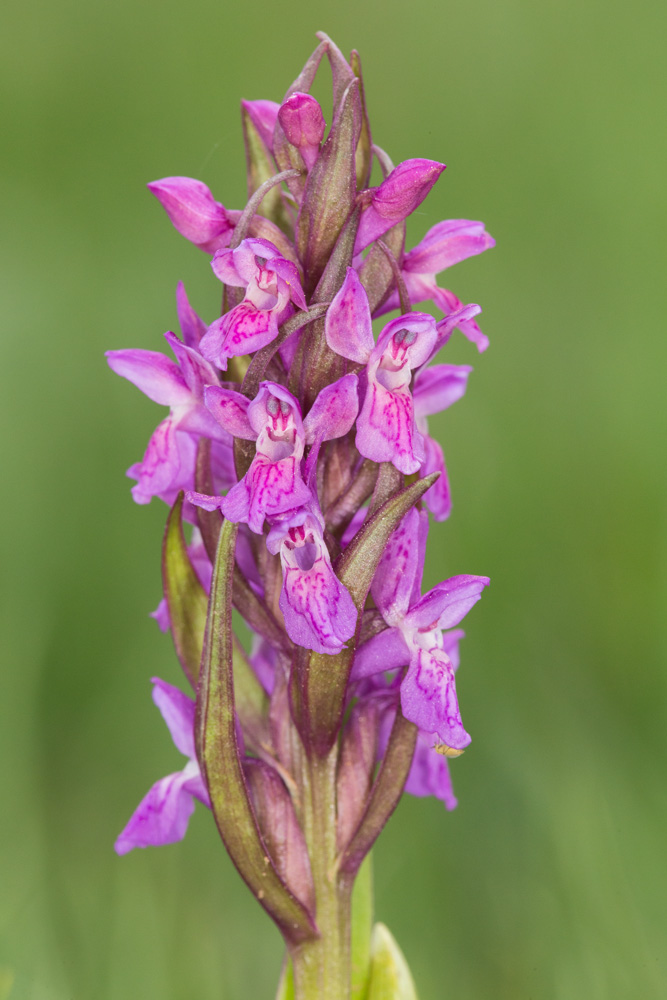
549,881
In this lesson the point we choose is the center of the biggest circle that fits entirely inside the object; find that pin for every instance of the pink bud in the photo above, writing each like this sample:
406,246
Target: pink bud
303,123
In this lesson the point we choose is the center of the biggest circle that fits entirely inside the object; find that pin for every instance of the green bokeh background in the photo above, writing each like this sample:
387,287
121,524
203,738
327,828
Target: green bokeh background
549,880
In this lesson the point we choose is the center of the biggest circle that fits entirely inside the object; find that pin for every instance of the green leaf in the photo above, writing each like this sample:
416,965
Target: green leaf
286,984
390,976
185,596
319,681
362,924
218,754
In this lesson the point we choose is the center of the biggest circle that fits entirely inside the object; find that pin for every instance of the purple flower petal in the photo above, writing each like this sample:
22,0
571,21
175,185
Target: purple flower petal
230,409
193,211
161,817
399,569
385,651
458,316
156,375
192,327
347,326
178,711
161,616
429,774
318,610
334,411
242,330
196,371
397,197
204,501
289,274
161,464
268,488
448,603
428,697
447,243
438,498
386,430
438,386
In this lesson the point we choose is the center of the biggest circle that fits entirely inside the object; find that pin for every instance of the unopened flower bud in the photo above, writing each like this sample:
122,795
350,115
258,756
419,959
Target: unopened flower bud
303,123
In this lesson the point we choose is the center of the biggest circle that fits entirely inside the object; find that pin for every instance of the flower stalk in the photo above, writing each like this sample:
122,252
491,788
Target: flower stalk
300,473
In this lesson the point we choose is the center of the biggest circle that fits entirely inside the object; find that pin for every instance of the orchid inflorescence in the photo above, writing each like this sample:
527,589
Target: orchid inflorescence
297,447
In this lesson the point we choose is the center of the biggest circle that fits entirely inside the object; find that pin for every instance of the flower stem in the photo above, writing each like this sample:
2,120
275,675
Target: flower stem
322,965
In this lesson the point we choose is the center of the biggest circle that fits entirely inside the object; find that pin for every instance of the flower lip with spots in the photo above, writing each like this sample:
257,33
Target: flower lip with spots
318,610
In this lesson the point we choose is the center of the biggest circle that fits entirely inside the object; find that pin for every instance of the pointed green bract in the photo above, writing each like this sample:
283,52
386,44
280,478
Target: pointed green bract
390,976
364,155
219,759
185,596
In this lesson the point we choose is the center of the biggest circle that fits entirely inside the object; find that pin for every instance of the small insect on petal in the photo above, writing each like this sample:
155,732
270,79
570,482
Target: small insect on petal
446,751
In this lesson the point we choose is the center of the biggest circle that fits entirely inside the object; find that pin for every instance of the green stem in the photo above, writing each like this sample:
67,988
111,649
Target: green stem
322,965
